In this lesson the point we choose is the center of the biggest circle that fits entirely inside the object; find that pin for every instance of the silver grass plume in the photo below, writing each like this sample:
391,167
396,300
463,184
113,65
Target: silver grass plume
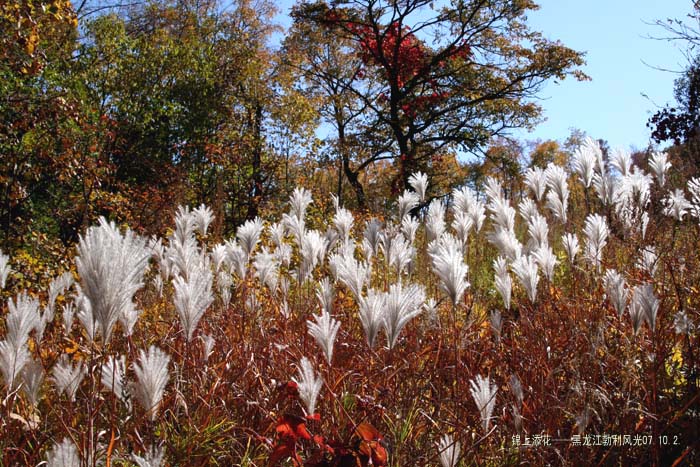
402,305
324,293
676,205
502,213
202,217
596,232
313,251
449,266
621,159
409,228
32,379
546,260
266,266
406,202
659,164
558,194
419,183
224,282
372,234
4,269
435,220
506,243
64,454
294,225
632,197
496,320
585,159
616,290
351,272
604,185
528,210
85,316
57,287
503,282
208,343
67,377
111,267
464,200
21,319
484,394
12,361
525,269
571,246
238,259
644,306
113,377
682,324
151,378
538,231
219,257
193,295
462,224
299,200
371,314
536,181
309,385
398,252
152,458
343,221
449,450
324,330
248,235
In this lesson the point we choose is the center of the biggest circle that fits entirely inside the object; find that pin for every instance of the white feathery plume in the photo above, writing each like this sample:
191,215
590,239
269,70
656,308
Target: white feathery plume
400,253
309,385
525,269
449,450
111,268
277,233
571,246
372,234
128,317
502,213
632,196
32,379
435,220
67,377
151,378
621,159
484,394
64,454
558,194
13,359
536,181
238,259
538,231
496,321
419,182
266,266
658,163
283,253
585,159
682,323
324,330
506,243
644,306
409,228
208,343
449,266
299,200
4,269
248,235
313,251
85,315
21,319
462,224
406,203
351,272
402,305
224,281
503,282
114,375
546,260
219,257
528,210
604,185
184,224
343,221
294,225
371,314
325,293
193,296
596,232
676,205
616,290
202,217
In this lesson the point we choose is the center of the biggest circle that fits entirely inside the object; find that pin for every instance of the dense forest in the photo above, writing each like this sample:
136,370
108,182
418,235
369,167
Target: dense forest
225,241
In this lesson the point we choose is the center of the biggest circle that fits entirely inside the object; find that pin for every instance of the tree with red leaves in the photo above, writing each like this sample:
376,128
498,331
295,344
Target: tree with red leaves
437,79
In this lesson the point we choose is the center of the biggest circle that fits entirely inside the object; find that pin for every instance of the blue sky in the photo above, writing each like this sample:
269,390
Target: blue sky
620,59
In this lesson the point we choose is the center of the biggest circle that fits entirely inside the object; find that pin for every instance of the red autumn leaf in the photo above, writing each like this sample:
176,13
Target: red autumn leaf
292,427
371,444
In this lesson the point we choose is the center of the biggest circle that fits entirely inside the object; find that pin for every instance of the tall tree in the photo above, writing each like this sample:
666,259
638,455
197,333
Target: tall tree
440,78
